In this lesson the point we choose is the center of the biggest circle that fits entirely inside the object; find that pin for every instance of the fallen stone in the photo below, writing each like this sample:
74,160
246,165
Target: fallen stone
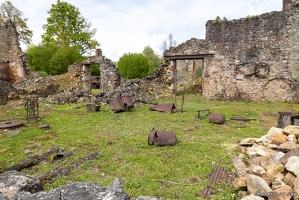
286,156
256,184
281,193
292,165
247,142
292,129
289,179
274,171
288,146
13,182
296,187
277,183
257,149
266,139
292,138
278,138
239,165
239,183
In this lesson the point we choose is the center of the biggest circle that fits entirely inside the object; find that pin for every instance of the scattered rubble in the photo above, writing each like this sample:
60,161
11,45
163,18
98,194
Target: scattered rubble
267,167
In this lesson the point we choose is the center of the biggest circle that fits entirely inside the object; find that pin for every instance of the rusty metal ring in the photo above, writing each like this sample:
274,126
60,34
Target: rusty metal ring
288,81
261,70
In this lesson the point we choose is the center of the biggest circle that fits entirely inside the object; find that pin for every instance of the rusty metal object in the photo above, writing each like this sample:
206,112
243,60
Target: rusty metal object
127,101
216,118
31,106
261,70
161,138
199,111
62,155
164,108
216,175
10,124
116,105
239,118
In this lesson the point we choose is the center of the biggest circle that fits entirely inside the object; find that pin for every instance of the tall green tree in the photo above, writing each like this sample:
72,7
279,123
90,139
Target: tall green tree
7,10
52,59
168,42
133,65
67,27
154,60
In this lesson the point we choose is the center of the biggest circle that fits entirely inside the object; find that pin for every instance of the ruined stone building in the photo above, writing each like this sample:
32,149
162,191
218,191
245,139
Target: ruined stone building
250,58
13,62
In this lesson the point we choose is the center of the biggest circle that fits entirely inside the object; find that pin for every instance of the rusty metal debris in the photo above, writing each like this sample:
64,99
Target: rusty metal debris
31,106
164,108
161,138
216,118
121,104
239,118
10,124
62,155
216,175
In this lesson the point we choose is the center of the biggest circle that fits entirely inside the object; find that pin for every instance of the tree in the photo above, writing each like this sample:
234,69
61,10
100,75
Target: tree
168,42
67,27
7,10
52,59
153,58
133,65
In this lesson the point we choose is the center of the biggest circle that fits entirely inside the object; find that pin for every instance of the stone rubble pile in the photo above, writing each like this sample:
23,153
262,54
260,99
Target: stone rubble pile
17,185
268,167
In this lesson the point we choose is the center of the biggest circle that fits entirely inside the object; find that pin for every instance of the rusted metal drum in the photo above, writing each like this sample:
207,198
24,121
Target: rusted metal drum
127,101
216,118
161,138
116,105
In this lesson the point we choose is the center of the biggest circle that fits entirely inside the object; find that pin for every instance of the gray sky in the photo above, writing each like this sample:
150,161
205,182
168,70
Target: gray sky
129,26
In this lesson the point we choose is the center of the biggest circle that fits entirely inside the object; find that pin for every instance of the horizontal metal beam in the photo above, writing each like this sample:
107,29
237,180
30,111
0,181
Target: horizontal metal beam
187,57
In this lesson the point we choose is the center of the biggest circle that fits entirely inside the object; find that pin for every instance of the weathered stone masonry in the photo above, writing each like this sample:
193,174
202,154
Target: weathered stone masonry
13,62
253,58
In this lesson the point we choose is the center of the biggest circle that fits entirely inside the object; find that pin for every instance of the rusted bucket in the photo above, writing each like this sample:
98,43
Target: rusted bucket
116,105
161,138
127,101
216,118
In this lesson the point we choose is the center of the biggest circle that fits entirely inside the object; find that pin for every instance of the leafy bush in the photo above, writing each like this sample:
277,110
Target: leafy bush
134,65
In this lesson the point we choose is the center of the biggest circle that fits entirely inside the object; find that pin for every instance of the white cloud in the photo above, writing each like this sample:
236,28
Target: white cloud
129,26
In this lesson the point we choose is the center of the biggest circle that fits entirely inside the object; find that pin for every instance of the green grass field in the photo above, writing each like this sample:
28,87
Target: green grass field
172,172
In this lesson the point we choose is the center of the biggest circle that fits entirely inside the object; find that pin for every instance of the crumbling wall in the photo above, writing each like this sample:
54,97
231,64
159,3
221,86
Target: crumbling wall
13,62
253,58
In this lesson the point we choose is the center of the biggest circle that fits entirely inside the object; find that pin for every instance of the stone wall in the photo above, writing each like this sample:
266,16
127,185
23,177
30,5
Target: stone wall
13,62
252,58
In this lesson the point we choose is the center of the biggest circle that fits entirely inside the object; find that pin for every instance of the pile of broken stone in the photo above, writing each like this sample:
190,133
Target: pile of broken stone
268,167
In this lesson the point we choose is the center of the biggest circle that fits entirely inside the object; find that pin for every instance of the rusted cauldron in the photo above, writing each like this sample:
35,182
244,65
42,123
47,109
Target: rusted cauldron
116,104
161,138
216,118
127,101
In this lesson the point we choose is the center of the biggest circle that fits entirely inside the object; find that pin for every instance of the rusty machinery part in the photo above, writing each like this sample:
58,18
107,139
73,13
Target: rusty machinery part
216,118
286,80
164,108
10,124
161,138
261,70
32,108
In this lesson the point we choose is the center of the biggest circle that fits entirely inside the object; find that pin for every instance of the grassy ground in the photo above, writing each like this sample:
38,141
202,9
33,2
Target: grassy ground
172,172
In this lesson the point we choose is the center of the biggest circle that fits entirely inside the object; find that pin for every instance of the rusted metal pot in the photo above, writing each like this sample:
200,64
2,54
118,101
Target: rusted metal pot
161,138
216,118
116,105
127,101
